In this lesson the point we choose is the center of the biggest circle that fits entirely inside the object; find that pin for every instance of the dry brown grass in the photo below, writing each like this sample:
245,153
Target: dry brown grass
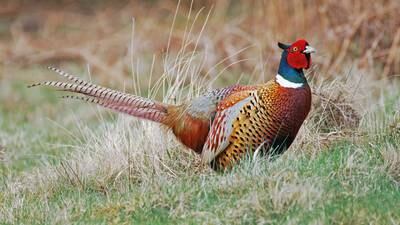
391,157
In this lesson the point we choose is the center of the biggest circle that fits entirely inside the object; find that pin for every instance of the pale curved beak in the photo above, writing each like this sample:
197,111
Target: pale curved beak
309,50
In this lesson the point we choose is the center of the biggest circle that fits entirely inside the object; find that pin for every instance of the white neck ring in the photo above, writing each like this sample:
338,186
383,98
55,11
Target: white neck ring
286,83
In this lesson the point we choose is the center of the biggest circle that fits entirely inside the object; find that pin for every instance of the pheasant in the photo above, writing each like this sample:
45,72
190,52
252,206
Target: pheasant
224,124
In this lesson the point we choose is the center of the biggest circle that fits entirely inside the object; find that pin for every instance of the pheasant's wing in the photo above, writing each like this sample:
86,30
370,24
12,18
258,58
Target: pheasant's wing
205,106
228,110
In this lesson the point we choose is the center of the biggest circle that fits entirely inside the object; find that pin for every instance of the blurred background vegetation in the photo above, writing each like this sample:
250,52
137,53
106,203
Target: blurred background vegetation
365,34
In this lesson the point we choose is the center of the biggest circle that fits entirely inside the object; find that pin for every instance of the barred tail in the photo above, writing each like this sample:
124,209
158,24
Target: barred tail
108,98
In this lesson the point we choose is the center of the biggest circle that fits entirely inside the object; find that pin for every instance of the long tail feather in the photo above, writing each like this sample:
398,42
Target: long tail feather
112,99
80,82
144,113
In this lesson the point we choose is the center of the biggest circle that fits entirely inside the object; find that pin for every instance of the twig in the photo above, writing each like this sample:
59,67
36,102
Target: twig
347,42
392,53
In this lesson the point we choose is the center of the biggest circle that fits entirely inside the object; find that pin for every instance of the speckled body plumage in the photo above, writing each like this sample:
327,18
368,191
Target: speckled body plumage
271,117
223,124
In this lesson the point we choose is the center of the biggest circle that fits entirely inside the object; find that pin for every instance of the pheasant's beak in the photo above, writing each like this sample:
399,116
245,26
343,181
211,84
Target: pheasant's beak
309,50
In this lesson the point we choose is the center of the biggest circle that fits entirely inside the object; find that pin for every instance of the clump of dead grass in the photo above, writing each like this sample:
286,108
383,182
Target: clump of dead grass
128,151
336,111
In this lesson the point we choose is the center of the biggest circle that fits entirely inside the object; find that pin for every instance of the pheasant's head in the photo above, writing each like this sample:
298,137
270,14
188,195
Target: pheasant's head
298,54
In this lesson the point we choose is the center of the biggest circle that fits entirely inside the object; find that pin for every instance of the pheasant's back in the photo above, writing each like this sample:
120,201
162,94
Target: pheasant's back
270,119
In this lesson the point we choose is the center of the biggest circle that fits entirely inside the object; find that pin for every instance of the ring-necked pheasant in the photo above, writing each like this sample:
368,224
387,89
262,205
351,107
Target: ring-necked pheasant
223,124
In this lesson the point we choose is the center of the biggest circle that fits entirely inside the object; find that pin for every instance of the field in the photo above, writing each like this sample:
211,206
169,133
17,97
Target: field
69,162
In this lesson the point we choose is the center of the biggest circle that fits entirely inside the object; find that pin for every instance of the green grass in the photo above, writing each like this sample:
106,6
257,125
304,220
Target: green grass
293,189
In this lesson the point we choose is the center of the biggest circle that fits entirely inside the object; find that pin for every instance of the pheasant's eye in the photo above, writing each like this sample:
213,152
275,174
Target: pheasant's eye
294,49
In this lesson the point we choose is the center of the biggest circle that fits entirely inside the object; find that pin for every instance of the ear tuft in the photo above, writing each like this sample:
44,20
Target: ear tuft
283,46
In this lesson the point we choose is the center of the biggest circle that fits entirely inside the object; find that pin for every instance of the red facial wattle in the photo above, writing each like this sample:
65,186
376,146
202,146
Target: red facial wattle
296,57
299,60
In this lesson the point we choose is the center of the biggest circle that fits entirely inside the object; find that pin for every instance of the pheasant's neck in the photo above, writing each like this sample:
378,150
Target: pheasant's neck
288,76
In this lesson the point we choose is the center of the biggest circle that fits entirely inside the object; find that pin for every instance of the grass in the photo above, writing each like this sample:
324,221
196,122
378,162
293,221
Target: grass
345,184
70,163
